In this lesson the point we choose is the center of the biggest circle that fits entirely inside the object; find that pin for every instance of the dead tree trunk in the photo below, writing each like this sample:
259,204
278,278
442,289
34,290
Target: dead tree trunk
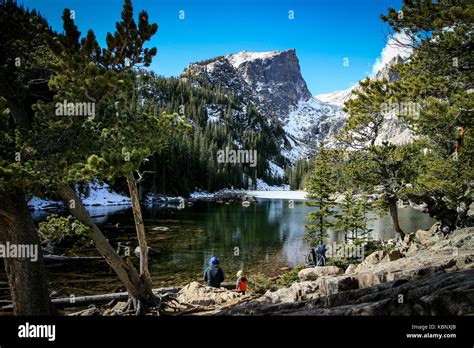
26,277
138,288
140,227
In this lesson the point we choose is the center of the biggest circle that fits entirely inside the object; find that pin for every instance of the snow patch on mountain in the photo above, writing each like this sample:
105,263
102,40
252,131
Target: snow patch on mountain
276,170
338,97
309,123
239,58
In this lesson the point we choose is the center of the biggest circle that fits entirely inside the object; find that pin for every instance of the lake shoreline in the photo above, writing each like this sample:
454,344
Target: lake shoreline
427,268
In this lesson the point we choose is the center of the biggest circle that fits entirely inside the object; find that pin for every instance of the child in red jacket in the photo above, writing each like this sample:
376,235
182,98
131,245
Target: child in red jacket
241,284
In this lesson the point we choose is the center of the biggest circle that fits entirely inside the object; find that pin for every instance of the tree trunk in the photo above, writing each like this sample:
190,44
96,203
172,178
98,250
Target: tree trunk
19,114
140,226
394,216
137,287
438,209
26,277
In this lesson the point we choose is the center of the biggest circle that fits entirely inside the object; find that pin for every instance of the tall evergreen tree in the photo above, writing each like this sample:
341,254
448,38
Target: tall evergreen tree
320,187
381,163
24,73
439,77
353,218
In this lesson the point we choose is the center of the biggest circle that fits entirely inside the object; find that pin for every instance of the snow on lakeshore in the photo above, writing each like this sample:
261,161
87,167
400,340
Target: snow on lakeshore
37,203
98,195
104,195
278,194
263,186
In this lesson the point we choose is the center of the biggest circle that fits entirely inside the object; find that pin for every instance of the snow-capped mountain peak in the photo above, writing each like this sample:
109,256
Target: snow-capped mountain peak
239,58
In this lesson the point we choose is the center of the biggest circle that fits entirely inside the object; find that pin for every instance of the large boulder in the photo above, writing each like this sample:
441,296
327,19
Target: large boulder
424,264
195,293
434,241
371,260
463,239
423,237
316,272
350,269
334,285
393,255
302,291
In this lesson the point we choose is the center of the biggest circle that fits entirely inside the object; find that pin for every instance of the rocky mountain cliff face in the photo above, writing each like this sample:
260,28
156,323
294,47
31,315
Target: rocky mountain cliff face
272,81
393,130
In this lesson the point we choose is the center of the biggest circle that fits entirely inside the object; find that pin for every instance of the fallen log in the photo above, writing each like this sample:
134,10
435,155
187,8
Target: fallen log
86,312
70,258
81,300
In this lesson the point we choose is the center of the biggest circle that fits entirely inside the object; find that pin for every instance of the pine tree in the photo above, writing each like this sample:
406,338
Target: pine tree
24,74
383,164
320,188
438,77
353,218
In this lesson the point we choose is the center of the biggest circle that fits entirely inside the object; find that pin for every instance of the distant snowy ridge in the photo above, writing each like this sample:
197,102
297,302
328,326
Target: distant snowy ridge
338,98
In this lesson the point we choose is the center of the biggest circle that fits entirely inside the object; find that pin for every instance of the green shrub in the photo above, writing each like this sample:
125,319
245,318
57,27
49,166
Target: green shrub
288,278
341,262
59,230
260,284
376,245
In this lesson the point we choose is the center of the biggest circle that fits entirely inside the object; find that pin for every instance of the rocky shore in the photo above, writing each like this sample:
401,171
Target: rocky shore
425,274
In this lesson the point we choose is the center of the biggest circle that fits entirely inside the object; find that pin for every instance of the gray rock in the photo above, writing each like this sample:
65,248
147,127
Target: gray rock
371,260
350,269
393,255
316,272
296,292
272,81
333,285
195,293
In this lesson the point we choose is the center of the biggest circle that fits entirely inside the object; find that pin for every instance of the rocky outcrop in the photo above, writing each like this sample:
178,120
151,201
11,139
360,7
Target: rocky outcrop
300,291
394,130
350,269
272,81
332,285
442,294
197,294
316,272
436,279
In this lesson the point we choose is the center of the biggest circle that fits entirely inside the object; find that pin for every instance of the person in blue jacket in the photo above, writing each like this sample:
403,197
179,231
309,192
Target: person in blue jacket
213,274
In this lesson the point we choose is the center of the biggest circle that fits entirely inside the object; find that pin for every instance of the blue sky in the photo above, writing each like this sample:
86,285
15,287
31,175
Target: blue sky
323,32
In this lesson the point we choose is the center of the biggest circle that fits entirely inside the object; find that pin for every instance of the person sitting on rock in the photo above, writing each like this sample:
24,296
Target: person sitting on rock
213,274
242,282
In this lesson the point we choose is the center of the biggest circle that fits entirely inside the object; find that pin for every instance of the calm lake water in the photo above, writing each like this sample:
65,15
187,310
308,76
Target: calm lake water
268,235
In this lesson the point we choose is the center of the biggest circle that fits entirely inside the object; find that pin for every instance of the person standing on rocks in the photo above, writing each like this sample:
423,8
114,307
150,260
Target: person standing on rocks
241,284
312,258
213,274
321,251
